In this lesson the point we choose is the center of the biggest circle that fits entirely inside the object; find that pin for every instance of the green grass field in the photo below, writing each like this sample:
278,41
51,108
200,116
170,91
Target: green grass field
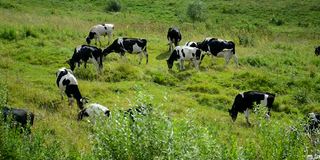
275,43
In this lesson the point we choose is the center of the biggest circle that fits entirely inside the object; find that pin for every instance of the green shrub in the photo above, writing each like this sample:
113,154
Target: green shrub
246,41
113,6
197,11
9,34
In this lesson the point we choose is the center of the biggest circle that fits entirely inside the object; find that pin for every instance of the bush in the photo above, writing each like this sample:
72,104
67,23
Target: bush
197,11
113,6
9,34
246,41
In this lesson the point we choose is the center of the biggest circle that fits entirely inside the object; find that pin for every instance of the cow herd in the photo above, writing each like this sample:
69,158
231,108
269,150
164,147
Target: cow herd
191,51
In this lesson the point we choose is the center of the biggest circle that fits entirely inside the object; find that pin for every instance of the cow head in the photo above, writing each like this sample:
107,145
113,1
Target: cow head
170,64
71,64
107,113
83,113
317,51
233,114
82,102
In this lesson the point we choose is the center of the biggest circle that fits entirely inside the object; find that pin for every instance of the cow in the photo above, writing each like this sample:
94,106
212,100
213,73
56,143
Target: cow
93,109
68,84
182,53
131,45
85,53
245,101
191,44
174,37
20,117
100,30
219,48
317,51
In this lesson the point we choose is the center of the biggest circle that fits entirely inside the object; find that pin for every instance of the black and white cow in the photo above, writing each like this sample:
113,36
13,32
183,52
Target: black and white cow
68,84
94,109
245,101
20,117
85,53
100,30
219,48
317,51
313,122
182,53
174,37
131,45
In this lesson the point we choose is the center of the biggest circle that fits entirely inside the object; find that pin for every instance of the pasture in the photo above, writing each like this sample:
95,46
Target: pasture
275,43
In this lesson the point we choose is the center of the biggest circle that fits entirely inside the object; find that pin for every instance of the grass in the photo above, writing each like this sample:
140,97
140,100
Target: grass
275,45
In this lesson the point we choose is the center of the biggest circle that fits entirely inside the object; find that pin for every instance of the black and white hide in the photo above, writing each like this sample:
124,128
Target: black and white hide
94,109
191,44
219,48
100,30
174,37
18,118
131,45
317,51
245,101
85,53
183,53
68,84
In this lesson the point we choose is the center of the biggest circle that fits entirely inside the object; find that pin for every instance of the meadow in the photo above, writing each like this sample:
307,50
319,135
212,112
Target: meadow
275,43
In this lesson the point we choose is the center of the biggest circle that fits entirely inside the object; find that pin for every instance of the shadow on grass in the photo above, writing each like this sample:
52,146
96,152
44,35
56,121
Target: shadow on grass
163,55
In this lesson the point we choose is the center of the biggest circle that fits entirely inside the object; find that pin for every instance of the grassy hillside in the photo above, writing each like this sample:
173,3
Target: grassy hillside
275,43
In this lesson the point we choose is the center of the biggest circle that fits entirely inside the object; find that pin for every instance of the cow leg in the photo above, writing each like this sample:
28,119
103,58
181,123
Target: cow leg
146,55
182,65
246,113
140,57
196,64
227,57
235,59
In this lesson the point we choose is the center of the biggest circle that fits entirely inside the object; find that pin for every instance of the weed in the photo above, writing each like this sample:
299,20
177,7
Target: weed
113,6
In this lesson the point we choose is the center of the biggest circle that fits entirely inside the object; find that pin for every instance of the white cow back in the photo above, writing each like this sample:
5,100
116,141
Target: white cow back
102,29
189,52
96,109
69,76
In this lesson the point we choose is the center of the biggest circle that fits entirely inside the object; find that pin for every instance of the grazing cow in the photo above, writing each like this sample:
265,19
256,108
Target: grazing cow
174,37
182,53
219,48
191,44
100,30
131,45
313,122
245,101
20,116
85,53
69,84
93,109
317,51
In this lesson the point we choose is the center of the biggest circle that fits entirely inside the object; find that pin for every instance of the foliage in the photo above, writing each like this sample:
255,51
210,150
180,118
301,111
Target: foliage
197,11
113,6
